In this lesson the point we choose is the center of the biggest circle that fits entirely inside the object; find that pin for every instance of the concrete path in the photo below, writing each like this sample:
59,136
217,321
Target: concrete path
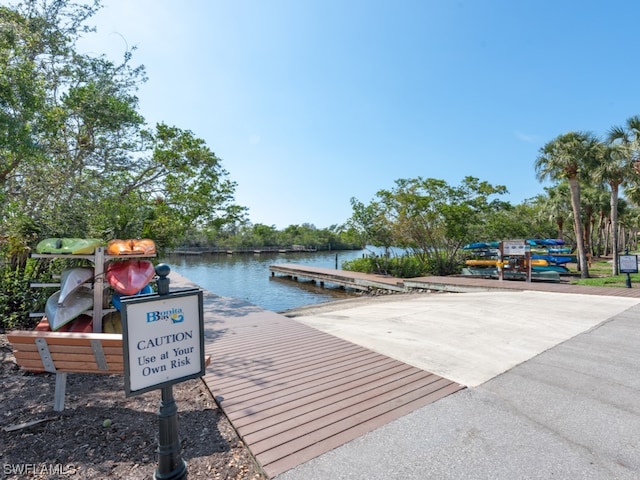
570,408
467,337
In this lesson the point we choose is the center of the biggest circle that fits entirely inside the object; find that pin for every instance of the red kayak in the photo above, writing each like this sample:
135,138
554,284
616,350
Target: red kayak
130,276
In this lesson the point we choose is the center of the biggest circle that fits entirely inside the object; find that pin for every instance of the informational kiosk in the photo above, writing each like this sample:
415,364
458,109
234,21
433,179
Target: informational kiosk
628,264
163,344
518,249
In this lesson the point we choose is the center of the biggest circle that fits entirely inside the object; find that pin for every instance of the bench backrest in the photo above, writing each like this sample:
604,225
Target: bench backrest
67,352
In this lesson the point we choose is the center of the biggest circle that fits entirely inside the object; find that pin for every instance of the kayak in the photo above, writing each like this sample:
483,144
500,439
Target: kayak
481,245
554,259
494,262
130,276
70,246
77,303
72,279
143,246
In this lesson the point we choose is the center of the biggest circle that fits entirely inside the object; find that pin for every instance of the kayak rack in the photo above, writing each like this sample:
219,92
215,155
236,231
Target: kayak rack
99,259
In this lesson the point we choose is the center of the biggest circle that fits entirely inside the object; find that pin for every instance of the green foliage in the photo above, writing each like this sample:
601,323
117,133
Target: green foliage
401,266
76,157
430,218
248,235
16,298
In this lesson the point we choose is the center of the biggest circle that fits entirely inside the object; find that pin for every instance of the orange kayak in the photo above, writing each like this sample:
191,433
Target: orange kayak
143,246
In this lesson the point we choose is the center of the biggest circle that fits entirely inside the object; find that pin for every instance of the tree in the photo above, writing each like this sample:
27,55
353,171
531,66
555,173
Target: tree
570,157
556,206
618,167
76,156
86,164
431,218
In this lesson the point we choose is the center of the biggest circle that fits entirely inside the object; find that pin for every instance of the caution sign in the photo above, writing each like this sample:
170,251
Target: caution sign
163,340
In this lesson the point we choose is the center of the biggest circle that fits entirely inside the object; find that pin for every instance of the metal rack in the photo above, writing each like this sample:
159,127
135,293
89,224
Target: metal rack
99,259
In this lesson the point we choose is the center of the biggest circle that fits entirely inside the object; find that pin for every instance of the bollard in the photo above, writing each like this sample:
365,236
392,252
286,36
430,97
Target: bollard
171,466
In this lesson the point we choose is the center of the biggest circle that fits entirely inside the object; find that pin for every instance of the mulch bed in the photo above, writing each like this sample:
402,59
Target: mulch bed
38,442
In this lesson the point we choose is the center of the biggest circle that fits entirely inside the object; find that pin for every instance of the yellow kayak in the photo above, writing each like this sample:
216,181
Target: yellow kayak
536,262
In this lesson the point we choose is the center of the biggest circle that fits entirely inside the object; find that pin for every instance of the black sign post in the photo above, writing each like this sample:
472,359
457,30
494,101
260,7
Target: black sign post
163,338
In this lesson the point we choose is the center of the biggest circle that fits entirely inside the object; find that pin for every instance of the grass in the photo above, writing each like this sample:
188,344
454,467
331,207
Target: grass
600,272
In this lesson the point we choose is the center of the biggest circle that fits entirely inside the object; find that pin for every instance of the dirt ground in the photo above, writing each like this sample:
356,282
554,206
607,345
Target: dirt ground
37,442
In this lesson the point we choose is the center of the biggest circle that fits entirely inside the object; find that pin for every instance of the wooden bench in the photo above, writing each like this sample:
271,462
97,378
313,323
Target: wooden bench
62,353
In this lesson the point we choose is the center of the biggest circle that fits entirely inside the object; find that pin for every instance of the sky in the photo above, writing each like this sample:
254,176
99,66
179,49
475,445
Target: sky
309,103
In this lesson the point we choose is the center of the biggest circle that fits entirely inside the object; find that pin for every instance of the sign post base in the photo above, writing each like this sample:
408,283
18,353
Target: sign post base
171,466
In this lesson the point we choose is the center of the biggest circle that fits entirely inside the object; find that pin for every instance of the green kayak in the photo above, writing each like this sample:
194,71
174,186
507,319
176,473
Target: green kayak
72,246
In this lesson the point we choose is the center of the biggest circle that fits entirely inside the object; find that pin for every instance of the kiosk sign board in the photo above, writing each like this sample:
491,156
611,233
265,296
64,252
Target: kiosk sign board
515,248
628,263
163,338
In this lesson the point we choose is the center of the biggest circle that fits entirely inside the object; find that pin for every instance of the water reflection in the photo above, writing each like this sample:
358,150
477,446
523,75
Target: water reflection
246,276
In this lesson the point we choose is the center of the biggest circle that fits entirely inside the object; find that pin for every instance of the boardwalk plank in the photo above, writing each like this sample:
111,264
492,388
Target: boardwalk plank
289,401
283,384
303,455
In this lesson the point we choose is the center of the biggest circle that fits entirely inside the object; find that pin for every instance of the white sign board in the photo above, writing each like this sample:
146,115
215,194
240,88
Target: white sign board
515,248
163,340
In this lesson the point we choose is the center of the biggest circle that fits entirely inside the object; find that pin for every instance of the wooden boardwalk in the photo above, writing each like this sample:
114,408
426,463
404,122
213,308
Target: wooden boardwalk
365,281
293,392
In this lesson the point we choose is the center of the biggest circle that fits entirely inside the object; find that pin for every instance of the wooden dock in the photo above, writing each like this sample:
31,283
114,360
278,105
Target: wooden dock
458,284
293,393
343,278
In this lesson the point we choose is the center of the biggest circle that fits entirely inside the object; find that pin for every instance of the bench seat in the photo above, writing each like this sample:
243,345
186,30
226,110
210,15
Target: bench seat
68,352
59,352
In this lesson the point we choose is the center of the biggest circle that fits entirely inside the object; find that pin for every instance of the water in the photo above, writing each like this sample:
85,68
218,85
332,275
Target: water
246,276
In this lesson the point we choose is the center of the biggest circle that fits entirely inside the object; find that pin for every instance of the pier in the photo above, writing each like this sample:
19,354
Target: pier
457,284
354,280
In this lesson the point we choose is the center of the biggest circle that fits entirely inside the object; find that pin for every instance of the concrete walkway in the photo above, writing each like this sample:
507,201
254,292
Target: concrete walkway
556,389
466,337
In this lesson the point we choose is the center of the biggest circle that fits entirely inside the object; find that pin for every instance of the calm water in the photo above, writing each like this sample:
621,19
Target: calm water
247,276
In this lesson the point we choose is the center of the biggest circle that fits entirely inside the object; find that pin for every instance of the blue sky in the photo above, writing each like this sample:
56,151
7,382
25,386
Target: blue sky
312,102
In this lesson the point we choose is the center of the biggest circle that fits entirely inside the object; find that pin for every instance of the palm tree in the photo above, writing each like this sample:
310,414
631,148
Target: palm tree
556,206
614,169
628,136
569,157
621,164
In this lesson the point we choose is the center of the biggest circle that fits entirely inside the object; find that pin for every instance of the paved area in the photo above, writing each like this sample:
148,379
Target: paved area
555,388
466,337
